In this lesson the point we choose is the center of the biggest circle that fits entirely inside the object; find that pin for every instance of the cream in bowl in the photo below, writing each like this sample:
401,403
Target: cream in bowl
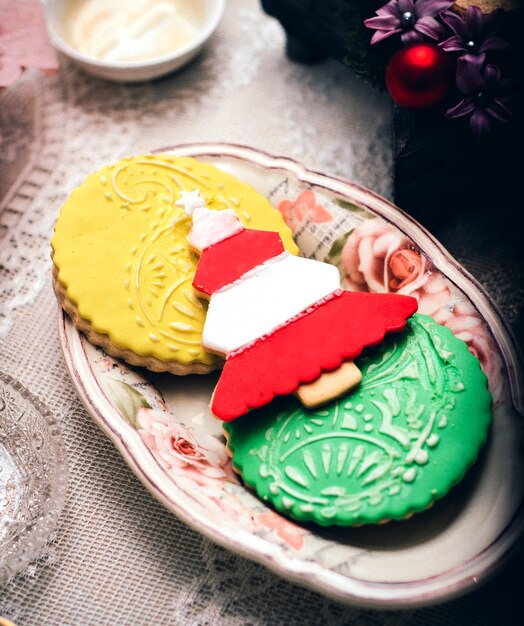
132,40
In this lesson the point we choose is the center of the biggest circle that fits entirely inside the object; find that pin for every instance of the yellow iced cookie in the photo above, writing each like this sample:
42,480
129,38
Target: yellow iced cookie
122,266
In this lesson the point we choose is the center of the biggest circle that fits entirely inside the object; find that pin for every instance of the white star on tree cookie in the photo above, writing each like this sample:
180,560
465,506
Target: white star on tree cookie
190,200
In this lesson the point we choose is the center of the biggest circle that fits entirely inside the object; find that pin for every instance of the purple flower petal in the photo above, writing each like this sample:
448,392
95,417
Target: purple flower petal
430,27
464,107
430,8
492,77
474,59
498,110
455,22
383,34
410,36
468,77
494,43
391,8
453,44
382,22
474,22
480,123
406,5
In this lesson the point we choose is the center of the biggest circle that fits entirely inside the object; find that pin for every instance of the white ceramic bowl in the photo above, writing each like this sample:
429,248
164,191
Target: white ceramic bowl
132,71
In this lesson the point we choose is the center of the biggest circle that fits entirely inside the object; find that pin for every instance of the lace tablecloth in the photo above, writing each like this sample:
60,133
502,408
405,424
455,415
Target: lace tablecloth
119,557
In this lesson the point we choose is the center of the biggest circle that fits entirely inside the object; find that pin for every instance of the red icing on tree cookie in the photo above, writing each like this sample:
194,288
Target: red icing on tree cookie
226,261
336,330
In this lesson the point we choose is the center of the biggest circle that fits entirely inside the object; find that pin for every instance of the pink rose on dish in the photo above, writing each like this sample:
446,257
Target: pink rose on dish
468,326
303,209
379,258
290,533
434,297
175,446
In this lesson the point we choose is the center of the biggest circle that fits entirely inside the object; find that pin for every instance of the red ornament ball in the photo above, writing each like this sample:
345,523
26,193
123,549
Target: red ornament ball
419,75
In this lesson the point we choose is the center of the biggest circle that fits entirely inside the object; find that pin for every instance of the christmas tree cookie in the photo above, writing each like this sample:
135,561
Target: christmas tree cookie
122,266
283,322
385,450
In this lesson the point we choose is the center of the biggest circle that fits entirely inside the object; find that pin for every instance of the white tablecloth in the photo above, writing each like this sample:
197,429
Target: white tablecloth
119,557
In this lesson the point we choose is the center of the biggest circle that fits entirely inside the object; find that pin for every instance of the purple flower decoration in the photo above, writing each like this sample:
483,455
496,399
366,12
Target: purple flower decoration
474,34
480,102
411,18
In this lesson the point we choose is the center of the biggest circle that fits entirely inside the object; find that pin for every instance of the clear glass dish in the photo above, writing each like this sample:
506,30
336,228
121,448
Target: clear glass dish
33,476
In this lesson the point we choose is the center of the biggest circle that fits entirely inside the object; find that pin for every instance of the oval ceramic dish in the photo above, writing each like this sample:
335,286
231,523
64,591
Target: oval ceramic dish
435,555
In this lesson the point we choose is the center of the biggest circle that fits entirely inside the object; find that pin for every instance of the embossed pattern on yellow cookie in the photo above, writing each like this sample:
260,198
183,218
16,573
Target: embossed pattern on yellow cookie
121,256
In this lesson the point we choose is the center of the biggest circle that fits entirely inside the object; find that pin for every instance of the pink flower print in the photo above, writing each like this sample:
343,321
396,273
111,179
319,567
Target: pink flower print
379,258
434,297
303,209
405,266
176,447
469,326
291,534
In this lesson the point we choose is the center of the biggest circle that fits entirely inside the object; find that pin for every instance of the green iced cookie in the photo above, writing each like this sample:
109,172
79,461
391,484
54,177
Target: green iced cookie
387,449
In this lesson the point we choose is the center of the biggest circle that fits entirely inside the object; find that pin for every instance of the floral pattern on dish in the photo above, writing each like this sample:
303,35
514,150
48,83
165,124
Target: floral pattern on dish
305,208
288,532
178,448
194,460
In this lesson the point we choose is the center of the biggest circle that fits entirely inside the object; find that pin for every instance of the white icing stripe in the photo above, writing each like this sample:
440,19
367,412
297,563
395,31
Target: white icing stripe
254,270
264,299
210,227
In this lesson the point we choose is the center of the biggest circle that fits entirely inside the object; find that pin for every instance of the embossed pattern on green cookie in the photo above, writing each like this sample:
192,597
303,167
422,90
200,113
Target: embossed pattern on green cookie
389,448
